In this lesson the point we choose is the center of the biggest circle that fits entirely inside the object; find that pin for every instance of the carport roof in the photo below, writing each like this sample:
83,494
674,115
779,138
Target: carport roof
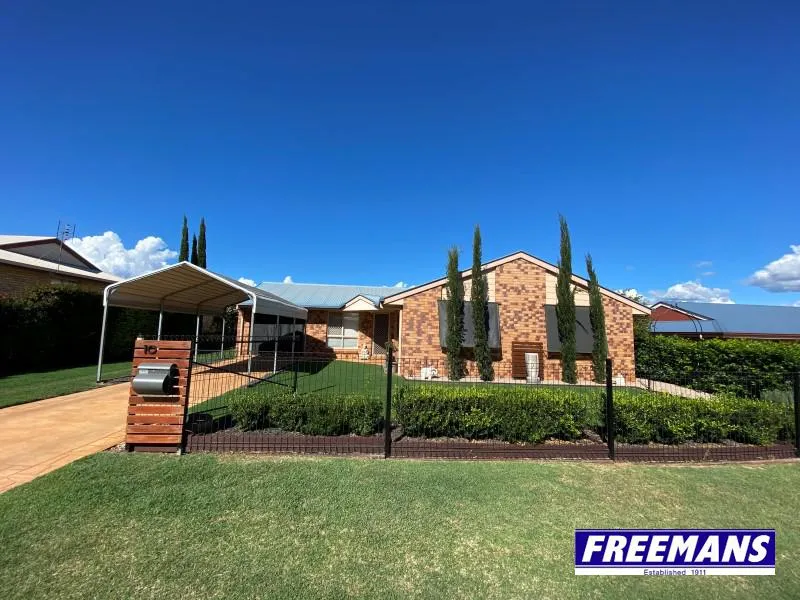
187,288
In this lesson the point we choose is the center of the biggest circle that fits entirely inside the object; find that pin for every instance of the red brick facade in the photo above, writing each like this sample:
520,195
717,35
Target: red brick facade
520,293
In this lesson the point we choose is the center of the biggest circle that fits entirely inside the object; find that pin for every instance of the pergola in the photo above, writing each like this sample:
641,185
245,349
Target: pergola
189,289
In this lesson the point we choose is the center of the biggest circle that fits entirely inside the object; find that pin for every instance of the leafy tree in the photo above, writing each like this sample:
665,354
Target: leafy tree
480,311
597,318
455,317
194,250
201,244
565,309
184,251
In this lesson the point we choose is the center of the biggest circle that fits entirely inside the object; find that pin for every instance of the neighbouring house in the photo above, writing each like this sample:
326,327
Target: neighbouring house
703,320
354,322
28,261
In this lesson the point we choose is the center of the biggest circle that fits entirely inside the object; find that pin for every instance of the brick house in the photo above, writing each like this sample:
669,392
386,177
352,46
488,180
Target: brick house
28,261
353,322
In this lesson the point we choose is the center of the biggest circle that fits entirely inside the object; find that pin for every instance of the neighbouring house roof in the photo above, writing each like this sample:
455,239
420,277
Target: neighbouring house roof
44,253
402,294
320,295
734,320
187,288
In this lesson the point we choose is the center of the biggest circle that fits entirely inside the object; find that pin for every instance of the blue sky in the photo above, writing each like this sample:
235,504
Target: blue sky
353,142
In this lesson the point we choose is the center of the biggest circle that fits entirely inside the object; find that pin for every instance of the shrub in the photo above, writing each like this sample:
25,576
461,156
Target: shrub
58,326
728,366
514,414
667,419
536,413
268,405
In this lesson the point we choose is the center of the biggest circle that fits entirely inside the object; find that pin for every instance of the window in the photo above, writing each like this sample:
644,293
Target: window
343,330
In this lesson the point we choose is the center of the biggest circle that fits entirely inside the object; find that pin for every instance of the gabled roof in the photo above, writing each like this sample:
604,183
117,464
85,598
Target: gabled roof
640,308
187,288
36,252
677,308
320,295
735,319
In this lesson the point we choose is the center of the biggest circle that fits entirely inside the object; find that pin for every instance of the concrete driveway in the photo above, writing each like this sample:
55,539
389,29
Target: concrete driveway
42,436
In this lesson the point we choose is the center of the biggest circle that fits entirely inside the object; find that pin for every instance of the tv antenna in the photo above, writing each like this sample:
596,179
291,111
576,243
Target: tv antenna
64,232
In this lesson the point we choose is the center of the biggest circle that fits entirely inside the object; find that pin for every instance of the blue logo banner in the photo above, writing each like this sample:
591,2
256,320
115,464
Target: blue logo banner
675,552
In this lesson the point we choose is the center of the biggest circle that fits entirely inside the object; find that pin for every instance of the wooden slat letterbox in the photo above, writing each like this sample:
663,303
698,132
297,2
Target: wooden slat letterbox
156,422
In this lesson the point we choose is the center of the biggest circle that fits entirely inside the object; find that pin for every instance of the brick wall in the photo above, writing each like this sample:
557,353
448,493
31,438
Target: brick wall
15,281
520,290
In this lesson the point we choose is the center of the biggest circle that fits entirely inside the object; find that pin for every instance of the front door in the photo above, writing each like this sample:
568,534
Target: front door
380,334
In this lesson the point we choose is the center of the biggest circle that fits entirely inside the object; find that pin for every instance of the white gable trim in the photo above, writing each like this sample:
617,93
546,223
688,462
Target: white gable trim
359,304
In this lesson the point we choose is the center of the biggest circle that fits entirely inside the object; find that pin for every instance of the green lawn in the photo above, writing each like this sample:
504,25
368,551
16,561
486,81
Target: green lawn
346,377
18,389
206,526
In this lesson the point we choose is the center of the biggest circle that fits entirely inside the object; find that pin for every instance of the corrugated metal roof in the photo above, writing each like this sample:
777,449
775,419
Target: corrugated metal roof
15,258
320,295
187,288
736,318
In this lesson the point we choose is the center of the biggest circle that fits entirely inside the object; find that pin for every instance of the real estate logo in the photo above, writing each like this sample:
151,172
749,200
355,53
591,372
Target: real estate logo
674,551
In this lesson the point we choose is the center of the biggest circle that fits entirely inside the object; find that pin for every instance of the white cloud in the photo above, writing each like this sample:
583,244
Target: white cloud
694,291
781,275
401,284
708,273
247,281
288,279
703,264
109,253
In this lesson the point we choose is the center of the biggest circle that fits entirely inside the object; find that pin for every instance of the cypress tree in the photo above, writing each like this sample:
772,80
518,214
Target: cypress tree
194,250
480,311
201,244
597,317
184,251
565,309
455,317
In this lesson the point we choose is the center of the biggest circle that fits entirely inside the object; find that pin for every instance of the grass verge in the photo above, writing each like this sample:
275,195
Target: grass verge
210,526
19,389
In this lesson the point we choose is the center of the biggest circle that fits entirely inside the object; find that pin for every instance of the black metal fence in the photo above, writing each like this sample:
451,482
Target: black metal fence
257,397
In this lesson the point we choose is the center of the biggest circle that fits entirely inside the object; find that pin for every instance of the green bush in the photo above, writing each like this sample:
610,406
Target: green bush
667,419
730,366
515,414
268,406
54,327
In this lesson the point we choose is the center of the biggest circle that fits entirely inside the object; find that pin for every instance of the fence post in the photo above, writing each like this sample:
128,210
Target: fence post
294,374
796,395
610,422
387,415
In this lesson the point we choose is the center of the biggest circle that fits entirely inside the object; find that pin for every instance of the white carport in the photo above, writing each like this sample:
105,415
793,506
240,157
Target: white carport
189,289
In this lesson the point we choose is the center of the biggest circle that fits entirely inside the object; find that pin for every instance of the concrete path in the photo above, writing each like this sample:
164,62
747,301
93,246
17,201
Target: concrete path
39,437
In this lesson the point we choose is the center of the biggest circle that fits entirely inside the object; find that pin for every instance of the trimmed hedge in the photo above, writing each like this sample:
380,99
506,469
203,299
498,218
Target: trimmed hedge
534,414
667,419
514,414
309,413
734,366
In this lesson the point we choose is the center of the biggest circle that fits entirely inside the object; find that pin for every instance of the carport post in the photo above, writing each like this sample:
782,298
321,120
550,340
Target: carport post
196,336
102,340
160,320
252,327
222,342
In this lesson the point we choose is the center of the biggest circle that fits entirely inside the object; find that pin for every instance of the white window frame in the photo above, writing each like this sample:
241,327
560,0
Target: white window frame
342,337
